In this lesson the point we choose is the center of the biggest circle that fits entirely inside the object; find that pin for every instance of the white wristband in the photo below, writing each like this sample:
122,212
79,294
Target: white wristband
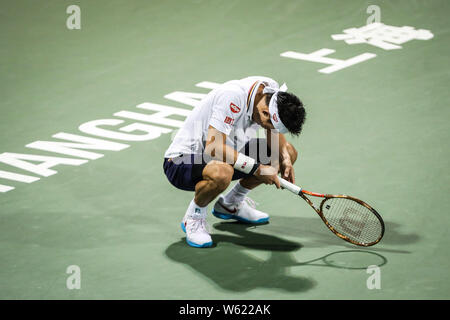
244,163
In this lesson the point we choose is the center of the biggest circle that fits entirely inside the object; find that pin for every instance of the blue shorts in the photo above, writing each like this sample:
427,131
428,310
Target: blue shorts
185,171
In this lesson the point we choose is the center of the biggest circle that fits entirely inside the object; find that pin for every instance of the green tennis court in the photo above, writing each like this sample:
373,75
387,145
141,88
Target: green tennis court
377,130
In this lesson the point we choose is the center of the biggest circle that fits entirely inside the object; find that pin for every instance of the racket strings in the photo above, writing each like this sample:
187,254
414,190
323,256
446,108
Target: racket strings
353,220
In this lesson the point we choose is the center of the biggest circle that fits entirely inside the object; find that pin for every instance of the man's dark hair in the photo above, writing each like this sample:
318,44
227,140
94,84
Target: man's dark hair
291,111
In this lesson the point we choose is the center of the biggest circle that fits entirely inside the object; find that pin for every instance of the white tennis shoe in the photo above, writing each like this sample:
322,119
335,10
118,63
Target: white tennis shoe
196,228
245,211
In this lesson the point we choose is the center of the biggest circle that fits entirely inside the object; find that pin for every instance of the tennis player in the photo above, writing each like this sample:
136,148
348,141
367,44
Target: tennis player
218,144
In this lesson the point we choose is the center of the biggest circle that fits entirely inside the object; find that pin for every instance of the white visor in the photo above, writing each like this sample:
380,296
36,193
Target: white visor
273,108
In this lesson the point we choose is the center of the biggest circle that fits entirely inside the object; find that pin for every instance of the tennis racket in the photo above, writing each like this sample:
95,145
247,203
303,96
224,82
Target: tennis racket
349,218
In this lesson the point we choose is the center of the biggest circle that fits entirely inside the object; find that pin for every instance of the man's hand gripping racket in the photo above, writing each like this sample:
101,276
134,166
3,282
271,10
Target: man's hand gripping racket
349,218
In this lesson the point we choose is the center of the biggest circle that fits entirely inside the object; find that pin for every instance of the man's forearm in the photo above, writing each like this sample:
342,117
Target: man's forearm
221,152
283,153
217,149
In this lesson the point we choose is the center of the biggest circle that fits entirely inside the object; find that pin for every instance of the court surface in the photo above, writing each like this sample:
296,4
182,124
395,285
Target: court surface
377,130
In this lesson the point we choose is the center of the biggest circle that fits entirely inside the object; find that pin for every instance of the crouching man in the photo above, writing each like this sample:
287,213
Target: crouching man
213,148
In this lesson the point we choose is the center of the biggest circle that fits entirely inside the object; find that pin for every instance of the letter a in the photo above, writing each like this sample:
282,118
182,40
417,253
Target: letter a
74,280
74,20
374,281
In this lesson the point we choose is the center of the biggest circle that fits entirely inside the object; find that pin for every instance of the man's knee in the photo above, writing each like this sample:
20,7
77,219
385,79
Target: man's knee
219,173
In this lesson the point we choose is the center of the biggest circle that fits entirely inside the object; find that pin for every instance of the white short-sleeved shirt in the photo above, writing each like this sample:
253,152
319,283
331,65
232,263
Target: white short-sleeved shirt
227,108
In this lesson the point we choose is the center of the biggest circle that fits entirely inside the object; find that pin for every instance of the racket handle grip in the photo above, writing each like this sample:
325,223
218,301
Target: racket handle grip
290,186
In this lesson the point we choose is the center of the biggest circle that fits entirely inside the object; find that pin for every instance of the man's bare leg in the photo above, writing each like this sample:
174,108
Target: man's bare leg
233,206
216,178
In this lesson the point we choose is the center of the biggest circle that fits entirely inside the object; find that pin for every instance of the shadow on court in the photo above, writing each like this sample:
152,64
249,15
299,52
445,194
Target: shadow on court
348,259
316,234
230,267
